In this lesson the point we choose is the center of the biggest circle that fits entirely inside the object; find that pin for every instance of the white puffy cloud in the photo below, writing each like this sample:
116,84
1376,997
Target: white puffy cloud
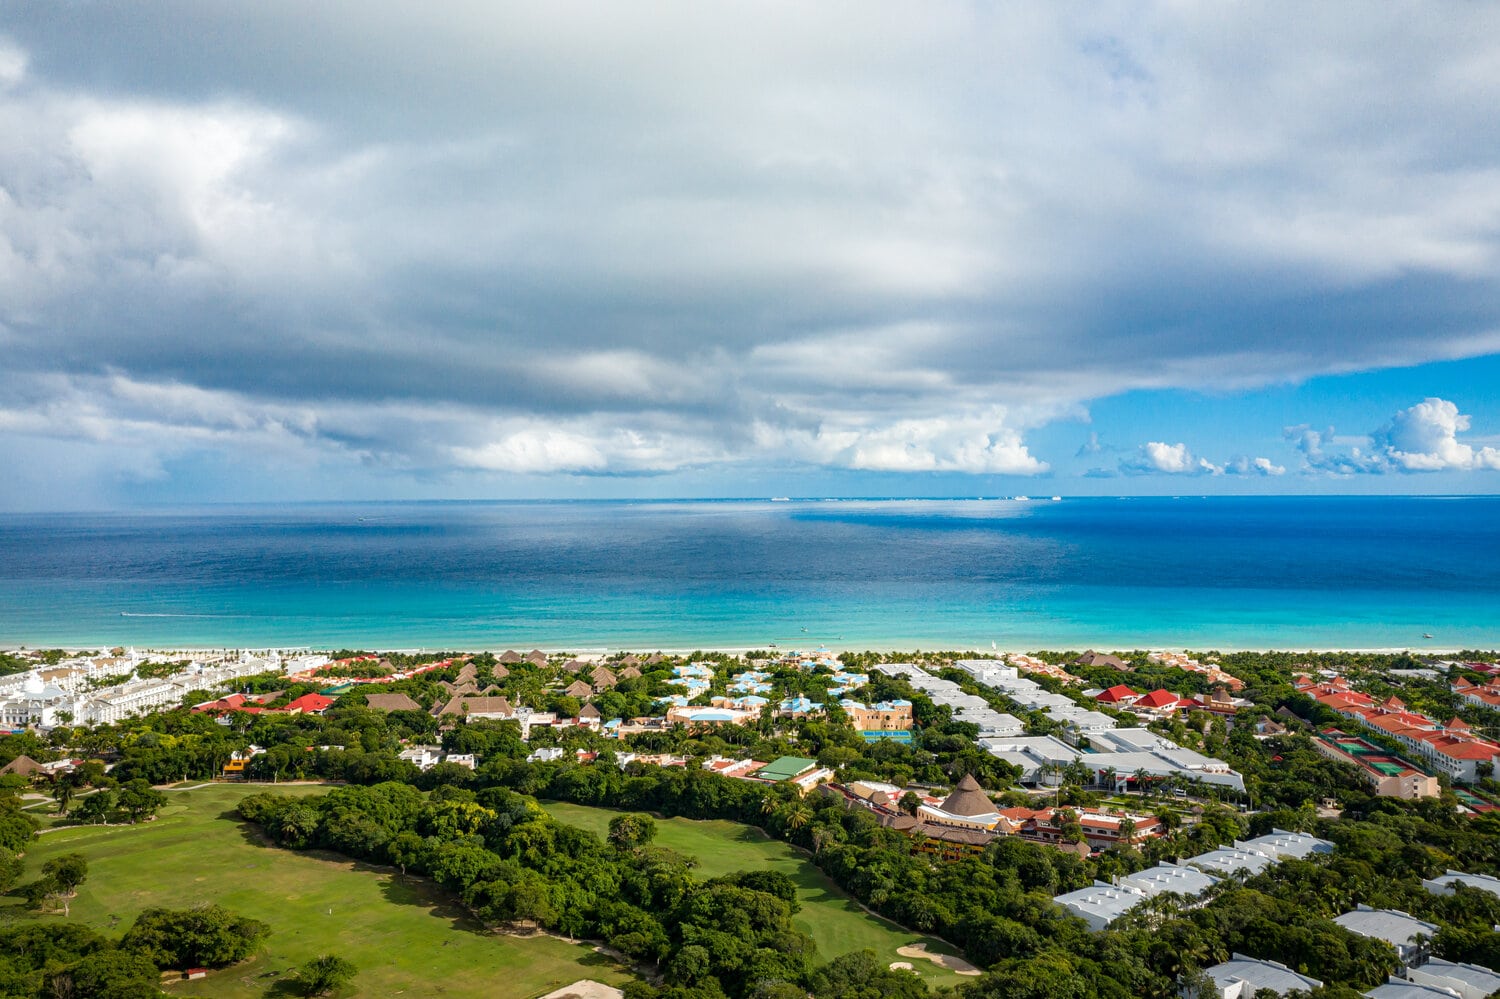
1424,438
1263,467
1160,458
1420,438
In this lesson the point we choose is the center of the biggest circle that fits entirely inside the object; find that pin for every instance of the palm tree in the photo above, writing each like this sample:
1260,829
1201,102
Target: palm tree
62,792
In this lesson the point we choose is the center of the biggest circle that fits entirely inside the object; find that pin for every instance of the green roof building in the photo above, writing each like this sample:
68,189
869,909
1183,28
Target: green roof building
785,768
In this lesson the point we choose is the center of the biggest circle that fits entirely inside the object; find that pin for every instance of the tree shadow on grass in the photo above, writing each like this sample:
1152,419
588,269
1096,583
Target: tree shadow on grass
284,988
407,889
249,831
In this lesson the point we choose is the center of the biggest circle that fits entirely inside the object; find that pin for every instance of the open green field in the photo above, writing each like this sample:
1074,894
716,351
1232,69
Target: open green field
403,934
828,914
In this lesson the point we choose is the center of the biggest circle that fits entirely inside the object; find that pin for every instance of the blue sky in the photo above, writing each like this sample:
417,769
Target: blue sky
258,252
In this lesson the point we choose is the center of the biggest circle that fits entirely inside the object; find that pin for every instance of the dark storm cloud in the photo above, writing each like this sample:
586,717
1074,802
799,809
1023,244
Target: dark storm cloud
599,239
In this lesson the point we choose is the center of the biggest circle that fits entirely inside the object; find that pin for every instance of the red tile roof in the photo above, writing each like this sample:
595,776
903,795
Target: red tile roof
311,704
1159,698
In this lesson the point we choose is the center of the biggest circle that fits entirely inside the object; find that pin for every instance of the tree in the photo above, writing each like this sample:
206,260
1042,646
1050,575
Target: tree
208,935
632,830
324,974
910,802
139,799
69,871
95,808
64,788
11,867
406,849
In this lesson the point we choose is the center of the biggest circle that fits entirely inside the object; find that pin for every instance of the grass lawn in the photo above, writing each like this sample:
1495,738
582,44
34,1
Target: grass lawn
403,934
828,914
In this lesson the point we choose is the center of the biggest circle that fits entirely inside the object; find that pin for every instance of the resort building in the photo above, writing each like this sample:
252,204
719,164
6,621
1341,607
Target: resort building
752,682
1229,861
1242,977
798,770
1188,664
799,707
1283,845
1101,829
1092,659
391,702
968,807
841,682
1219,702
1031,664
726,767
1390,776
990,672
1165,877
495,708
427,757
36,703
970,708
1101,904
886,719
1450,749
1397,988
1118,696
711,716
1397,928
1480,695
1447,884
1162,703
1470,981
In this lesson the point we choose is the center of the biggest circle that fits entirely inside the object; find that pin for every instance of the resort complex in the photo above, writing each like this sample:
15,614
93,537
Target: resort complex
1124,795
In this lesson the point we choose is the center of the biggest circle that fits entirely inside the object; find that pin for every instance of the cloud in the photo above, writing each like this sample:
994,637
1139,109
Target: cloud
12,64
1420,438
1159,458
1424,438
566,240
1262,467
1091,446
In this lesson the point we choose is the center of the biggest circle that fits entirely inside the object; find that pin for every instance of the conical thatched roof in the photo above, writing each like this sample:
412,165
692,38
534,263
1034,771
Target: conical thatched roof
968,798
24,766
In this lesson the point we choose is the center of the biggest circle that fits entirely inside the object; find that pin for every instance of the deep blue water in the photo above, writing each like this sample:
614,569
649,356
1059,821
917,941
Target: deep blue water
1202,573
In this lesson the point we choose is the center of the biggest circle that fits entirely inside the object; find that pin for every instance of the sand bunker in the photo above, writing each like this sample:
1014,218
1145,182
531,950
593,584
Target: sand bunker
956,965
585,989
900,965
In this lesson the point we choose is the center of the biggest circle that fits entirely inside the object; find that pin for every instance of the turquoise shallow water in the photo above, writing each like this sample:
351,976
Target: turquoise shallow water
1199,573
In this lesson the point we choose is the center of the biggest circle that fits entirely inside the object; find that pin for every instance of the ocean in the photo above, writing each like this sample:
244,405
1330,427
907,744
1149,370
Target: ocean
1200,573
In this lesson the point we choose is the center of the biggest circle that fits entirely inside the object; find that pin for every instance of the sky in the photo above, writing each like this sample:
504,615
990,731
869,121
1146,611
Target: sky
277,251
